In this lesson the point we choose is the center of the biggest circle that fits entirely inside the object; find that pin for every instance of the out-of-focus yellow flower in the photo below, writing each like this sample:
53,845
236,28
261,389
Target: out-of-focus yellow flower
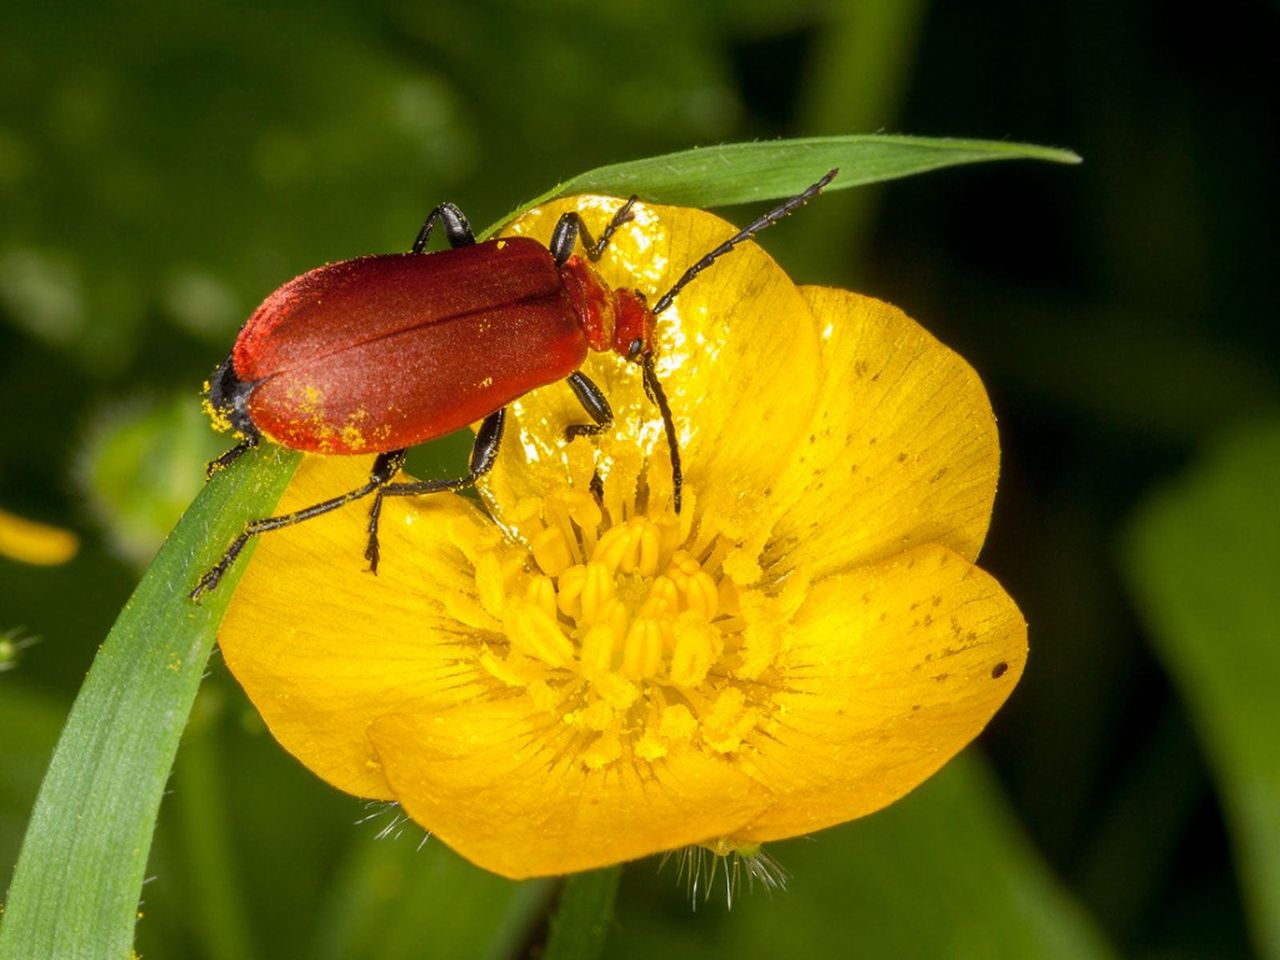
37,543
552,684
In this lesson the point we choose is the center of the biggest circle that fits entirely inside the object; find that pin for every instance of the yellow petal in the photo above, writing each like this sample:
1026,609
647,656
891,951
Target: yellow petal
498,784
902,449
737,356
37,543
322,647
891,670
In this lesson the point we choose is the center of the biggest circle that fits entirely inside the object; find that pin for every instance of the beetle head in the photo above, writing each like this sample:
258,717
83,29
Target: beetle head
228,400
633,326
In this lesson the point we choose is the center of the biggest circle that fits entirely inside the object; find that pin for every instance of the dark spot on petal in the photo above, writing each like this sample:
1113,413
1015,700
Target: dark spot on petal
999,670
902,457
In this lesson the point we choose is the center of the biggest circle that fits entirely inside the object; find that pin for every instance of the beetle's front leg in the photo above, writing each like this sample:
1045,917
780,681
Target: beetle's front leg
571,225
456,227
594,402
484,453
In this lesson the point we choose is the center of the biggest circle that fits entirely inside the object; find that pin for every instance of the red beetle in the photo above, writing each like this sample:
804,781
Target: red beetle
377,354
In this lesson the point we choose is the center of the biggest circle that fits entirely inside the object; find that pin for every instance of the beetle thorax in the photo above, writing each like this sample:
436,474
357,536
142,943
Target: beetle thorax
611,319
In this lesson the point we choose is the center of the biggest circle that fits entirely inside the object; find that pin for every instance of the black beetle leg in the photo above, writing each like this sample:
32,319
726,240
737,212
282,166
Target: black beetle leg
385,467
232,455
593,401
484,453
456,227
571,225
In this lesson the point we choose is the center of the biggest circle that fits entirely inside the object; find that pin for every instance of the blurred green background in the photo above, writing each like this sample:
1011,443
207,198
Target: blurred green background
163,167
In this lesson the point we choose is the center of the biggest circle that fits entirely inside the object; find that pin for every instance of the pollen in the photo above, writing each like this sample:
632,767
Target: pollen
634,641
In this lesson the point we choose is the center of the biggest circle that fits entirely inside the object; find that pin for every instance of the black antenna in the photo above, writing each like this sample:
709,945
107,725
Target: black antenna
746,233
653,387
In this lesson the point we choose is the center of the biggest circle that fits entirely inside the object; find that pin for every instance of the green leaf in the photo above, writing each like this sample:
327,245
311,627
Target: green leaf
944,872
79,875
751,172
581,922
1203,559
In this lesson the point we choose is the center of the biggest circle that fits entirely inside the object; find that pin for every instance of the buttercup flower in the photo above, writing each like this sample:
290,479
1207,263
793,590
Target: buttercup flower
550,682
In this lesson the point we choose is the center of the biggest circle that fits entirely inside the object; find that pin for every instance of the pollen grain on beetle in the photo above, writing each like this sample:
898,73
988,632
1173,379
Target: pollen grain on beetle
571,673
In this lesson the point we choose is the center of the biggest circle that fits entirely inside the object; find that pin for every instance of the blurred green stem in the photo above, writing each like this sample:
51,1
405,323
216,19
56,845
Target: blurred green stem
857,80
583,915
1134,844
200,785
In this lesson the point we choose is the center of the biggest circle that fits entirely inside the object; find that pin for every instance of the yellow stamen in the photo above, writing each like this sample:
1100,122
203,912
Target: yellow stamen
634,638
597,591
551,551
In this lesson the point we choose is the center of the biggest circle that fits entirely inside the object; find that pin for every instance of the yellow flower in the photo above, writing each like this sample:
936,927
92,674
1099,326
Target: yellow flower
36,543
552,684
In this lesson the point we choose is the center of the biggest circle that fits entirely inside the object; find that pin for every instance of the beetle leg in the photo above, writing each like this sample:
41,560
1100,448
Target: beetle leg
232,455
456,227
484,453
571,225
593,401
375,514
385,467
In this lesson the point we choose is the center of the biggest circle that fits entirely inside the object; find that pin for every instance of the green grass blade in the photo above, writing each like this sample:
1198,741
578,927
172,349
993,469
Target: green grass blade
1203,559
752,172
79,875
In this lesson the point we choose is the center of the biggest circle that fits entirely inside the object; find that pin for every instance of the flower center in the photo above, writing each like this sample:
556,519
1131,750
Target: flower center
628,634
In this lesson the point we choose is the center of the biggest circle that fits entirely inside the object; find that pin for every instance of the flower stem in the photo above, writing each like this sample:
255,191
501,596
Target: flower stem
199,782
582,918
